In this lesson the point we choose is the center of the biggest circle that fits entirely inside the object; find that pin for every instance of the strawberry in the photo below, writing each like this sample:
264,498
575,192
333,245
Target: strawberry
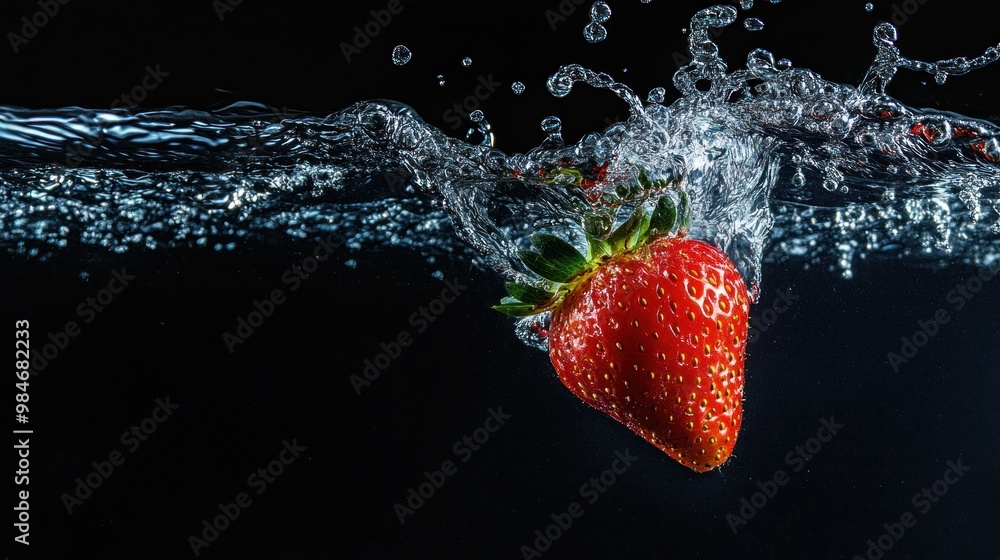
650,328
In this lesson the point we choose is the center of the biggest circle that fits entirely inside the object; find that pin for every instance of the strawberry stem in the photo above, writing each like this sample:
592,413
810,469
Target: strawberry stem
562,266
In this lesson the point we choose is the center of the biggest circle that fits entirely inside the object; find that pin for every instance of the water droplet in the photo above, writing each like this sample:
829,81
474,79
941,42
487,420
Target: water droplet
551,125
440,79
600,12
753,24
401,55
595,32
466,62
940,78
656,95
477,116
799,179
746,4
869,7
517,88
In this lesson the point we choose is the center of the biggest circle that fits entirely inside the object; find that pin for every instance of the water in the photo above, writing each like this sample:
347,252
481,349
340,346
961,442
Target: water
208,209
773,156
595,32
401,55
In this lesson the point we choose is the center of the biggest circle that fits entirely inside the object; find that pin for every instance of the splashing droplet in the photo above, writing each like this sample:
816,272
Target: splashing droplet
401,55
551,125
753,24
595,32
600,12
440,79
656,95
517,88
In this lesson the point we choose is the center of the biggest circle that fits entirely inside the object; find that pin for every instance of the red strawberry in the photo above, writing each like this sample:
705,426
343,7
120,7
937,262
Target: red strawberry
651,329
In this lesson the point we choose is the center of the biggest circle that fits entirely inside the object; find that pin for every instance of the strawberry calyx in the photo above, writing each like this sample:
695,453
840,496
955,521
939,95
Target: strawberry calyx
562,267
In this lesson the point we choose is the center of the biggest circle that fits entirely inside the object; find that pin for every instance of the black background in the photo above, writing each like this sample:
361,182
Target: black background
161,337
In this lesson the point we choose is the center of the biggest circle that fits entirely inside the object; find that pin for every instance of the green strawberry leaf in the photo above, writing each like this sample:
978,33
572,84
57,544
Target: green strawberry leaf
664,215
528,294
547,269
619,237
516,309
644,181
559,252
598,248
684,210
597,225
639,233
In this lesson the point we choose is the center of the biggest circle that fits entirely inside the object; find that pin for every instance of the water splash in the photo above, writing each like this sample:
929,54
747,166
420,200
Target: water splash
779,164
